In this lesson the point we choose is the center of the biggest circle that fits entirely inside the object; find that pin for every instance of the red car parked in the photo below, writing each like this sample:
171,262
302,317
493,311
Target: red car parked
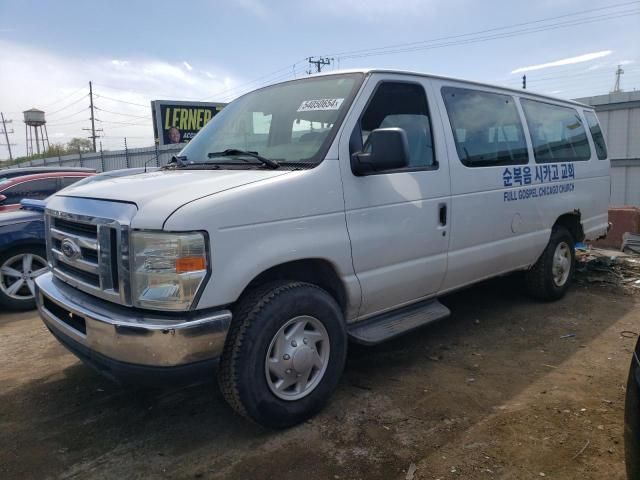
38,186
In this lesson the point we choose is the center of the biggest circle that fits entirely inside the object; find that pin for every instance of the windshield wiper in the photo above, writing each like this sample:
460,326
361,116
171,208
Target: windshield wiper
177,161
235,152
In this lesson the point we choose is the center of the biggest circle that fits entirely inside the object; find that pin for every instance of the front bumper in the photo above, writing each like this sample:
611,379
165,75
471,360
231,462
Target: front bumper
100,331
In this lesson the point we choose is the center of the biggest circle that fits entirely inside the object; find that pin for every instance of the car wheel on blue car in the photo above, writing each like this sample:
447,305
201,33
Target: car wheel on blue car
18,269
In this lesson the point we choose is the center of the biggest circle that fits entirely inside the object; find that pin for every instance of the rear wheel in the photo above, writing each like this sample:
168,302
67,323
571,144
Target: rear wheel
551,276
284,353
18,269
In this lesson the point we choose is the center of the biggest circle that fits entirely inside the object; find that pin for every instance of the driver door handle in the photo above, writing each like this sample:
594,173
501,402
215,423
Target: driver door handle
442,214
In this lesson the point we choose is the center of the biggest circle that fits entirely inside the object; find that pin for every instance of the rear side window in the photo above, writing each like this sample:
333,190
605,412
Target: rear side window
486,127
596,134
556,132
402,105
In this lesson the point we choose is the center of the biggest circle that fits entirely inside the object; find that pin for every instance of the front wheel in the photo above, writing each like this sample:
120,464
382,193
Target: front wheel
284,353
18,269
551,276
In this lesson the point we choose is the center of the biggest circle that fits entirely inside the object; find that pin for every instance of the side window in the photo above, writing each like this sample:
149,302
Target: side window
38,189
402,105
486,127
556,132
596,134
66,181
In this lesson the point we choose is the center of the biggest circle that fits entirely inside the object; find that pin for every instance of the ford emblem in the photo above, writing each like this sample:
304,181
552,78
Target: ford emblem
70,249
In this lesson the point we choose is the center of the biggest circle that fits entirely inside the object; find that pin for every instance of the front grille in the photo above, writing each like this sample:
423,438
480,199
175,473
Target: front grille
84,229
90,254
89,278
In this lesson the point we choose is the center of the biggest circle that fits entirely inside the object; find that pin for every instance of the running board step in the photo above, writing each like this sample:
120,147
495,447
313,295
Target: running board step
389,325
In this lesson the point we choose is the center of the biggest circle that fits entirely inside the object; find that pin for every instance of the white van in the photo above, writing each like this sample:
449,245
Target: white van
315,211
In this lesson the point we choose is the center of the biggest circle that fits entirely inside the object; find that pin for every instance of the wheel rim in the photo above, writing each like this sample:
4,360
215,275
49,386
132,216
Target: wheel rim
297,358
17,275
561,267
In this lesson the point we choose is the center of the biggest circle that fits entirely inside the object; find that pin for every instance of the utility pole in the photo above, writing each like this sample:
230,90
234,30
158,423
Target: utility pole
319,63
6,134
524,82
93,135
616,87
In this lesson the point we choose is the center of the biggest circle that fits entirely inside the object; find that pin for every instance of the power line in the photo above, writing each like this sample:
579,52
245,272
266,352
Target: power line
121,101
70,115
504,27
63,98
237,87
389,50
123,123
120,113
553,80
68,105
67,123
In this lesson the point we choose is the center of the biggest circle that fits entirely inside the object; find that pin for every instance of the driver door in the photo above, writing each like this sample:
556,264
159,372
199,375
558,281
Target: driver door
397,220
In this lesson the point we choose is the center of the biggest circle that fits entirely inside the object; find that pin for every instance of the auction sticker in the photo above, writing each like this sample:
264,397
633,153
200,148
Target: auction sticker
320,104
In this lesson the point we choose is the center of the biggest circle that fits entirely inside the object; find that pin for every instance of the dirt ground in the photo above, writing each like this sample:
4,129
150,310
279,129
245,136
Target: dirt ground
493,392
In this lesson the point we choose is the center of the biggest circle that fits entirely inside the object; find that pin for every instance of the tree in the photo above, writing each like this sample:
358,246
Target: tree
79,145
56,149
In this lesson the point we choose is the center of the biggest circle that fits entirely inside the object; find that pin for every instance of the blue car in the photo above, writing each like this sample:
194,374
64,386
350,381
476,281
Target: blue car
22,255
22,245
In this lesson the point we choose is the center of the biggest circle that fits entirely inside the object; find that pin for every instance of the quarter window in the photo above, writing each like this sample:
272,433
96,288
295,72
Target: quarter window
402,105
596,135
486,127
557,133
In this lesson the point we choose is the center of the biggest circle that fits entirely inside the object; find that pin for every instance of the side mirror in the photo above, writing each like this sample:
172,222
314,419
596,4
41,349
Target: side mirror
385,149
2,198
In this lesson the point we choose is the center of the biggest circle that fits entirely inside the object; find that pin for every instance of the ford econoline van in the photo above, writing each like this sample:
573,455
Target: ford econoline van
313,212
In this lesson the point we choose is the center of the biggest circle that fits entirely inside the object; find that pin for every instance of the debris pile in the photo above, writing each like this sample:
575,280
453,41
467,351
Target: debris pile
631,243
594,265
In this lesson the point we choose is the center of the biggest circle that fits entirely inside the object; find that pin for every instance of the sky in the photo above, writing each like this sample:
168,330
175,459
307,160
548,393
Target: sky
137,51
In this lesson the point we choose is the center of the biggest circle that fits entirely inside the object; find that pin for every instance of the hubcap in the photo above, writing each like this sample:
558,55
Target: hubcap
17,275
561,266
297,358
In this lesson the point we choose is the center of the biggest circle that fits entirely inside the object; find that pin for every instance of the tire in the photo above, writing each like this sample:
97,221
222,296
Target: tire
550,279
11,264
262,317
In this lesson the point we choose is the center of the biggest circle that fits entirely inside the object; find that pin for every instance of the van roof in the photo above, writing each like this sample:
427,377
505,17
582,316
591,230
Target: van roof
443,77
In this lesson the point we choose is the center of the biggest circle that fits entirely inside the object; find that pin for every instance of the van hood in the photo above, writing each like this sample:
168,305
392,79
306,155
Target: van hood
158,194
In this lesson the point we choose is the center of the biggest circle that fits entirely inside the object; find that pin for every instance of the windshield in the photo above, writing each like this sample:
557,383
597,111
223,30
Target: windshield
289,122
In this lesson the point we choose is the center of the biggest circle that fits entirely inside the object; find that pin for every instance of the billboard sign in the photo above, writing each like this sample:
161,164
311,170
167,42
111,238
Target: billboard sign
178,122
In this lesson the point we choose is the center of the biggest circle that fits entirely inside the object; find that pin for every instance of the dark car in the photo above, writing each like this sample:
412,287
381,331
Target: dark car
22,257
632,418
18,172
22,245
38,186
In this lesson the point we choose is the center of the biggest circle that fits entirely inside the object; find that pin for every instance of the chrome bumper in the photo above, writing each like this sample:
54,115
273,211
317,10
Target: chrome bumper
127,335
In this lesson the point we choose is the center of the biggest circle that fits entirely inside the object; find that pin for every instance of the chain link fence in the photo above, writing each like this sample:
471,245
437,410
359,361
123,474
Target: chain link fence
105,161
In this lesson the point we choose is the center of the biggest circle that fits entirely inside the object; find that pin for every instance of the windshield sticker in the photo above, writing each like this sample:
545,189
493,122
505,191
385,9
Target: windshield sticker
320,104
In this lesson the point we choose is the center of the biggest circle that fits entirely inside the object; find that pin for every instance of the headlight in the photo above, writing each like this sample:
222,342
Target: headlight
168,269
